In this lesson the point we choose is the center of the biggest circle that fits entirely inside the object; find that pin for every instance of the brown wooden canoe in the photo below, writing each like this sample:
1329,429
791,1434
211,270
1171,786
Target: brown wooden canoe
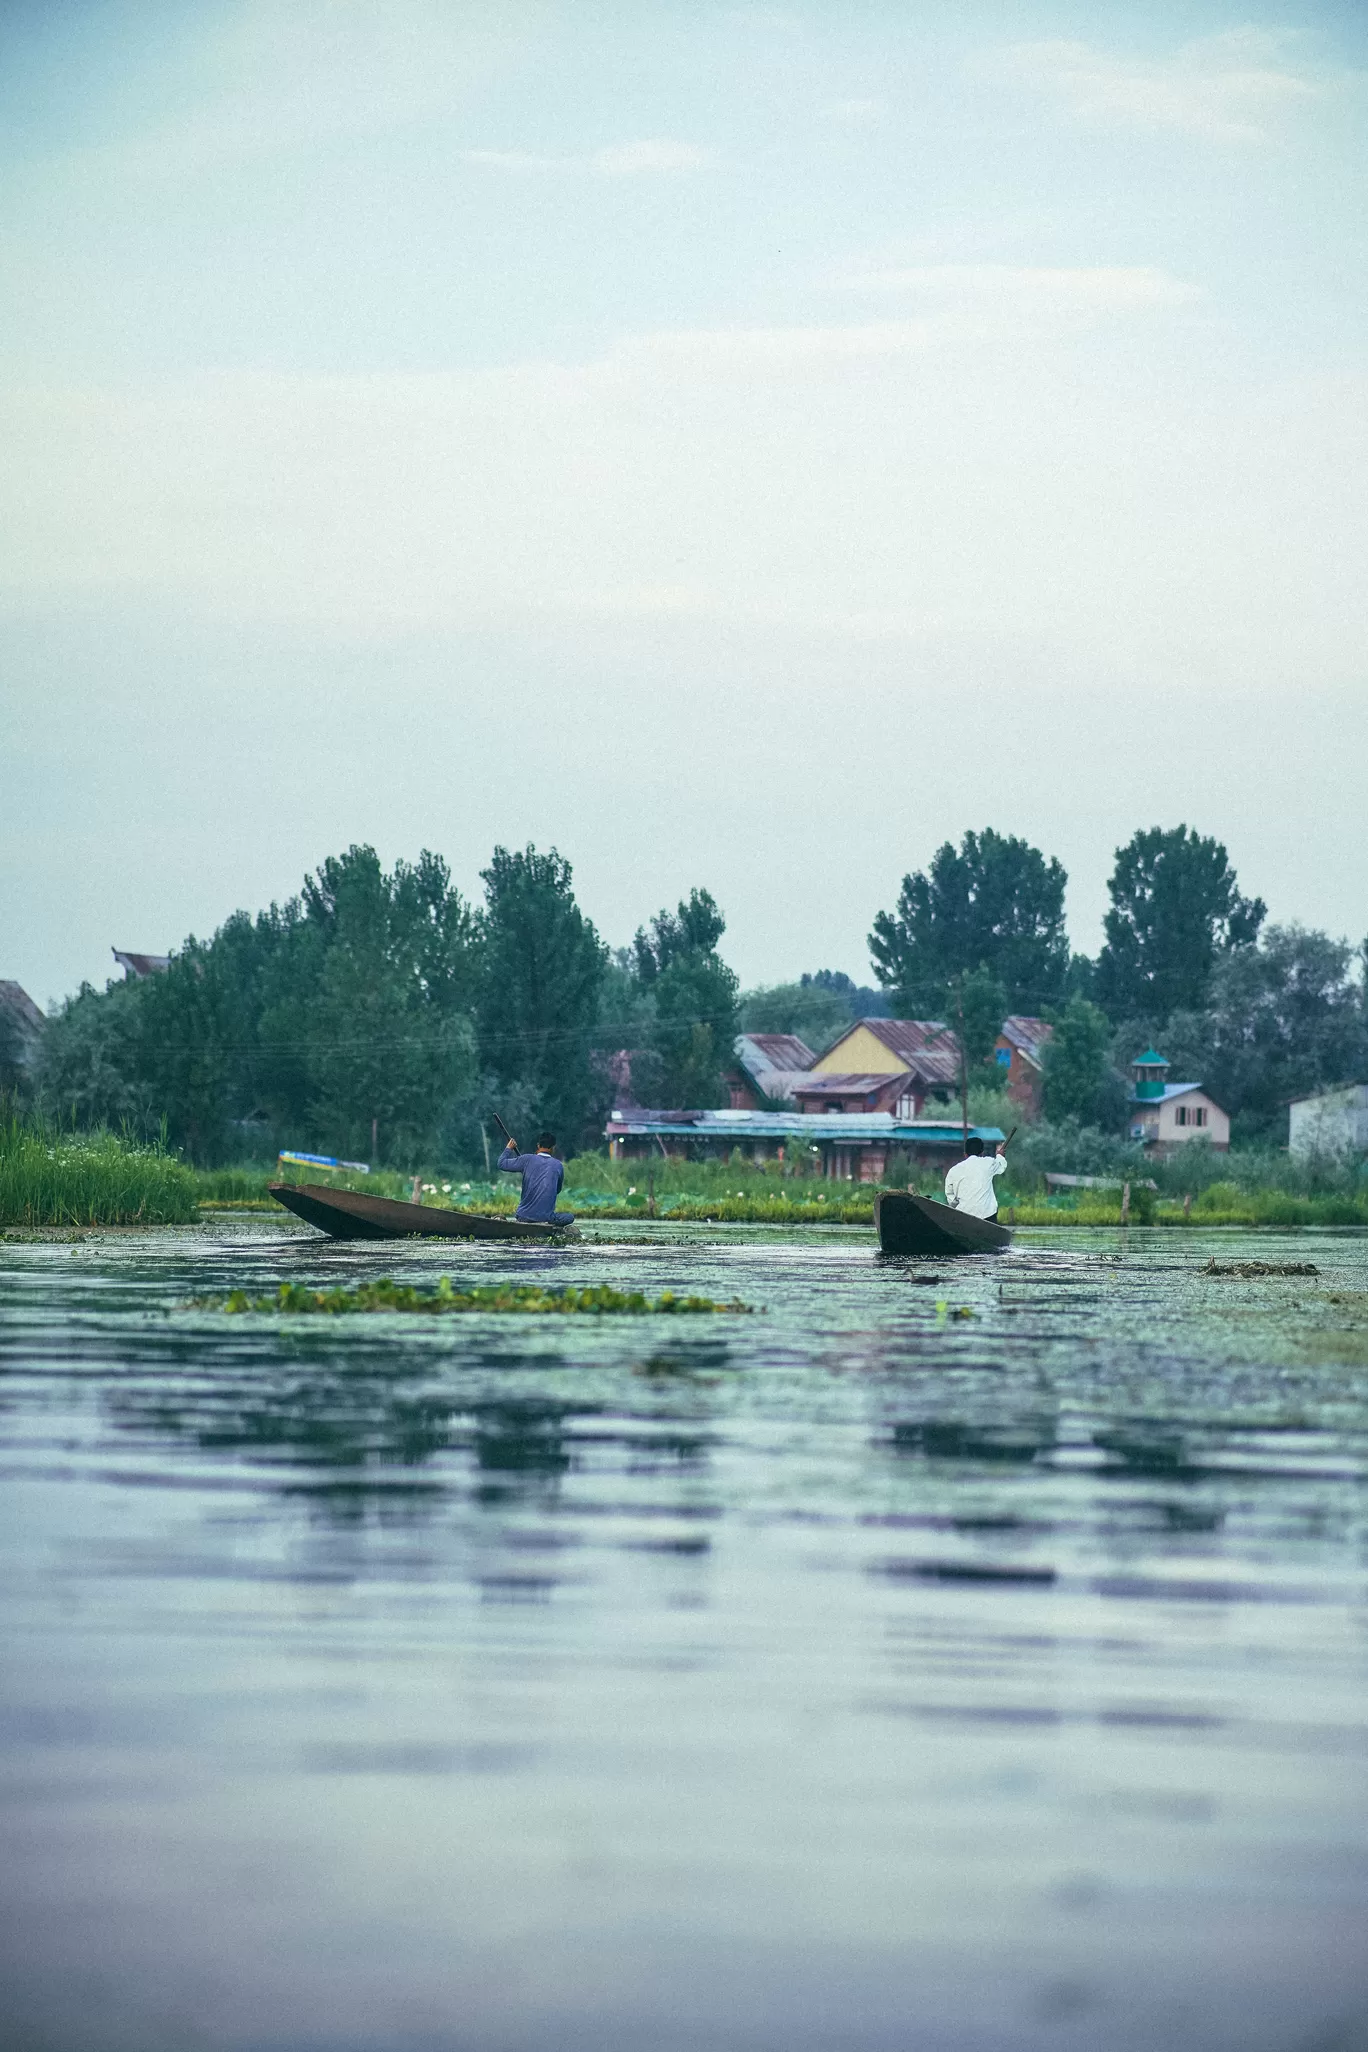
918,1225
352,1215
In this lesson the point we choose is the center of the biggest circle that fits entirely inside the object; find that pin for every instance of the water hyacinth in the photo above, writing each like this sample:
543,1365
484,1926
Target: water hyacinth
592,1300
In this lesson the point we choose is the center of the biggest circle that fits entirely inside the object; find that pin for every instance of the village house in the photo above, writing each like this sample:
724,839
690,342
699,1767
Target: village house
135,967
766,1068
882,1065
1020,1050
851,1106
1332,1122
854,1148
21,1026
1166,1115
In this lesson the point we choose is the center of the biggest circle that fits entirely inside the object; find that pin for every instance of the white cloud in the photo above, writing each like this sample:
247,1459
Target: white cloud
624,160
762,351
615,160
879,480
1225,88
269,80
1100,287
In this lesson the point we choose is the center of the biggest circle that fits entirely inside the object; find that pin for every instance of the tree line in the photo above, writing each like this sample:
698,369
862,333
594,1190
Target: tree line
380,1015
1258,1013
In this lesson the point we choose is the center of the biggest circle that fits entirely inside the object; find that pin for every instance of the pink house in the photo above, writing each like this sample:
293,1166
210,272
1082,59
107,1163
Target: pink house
1165,1115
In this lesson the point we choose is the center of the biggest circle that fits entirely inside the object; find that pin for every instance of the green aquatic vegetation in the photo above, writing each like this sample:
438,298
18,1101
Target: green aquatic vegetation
1258,1268
50,1178
593,1300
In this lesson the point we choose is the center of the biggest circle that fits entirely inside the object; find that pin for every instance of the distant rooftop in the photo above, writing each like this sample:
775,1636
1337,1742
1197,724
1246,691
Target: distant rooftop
1169,1090
15,1000
1027,1034
140,965
627,1121
775,1050
834,1083
925,1047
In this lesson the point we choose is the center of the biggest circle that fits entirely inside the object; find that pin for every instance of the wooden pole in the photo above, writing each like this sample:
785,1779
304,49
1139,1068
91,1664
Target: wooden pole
964,1071
1125,1204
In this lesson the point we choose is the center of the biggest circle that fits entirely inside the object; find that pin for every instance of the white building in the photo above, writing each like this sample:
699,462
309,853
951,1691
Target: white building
1335,1122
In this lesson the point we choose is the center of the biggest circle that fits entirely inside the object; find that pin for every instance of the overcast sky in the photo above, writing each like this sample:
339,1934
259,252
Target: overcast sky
743,446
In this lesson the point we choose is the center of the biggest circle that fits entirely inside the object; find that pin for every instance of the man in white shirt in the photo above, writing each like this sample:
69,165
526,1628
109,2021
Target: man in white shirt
969,1185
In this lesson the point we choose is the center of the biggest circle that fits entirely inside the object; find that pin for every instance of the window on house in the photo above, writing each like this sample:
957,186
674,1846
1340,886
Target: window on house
1199,1115
1180,1116
906,1108
1004,1057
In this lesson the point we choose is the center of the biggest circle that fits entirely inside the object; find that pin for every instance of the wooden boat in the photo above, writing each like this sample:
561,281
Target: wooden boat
919,1225
351,1215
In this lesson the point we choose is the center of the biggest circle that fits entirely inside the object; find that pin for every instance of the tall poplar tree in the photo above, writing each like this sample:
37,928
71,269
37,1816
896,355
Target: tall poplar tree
542,973
995,904
1176,909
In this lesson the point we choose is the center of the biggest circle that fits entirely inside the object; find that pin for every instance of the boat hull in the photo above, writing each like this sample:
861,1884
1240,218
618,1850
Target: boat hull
909,1224
351,1215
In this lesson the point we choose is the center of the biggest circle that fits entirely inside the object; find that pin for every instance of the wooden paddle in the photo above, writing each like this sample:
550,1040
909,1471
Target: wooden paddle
513,1143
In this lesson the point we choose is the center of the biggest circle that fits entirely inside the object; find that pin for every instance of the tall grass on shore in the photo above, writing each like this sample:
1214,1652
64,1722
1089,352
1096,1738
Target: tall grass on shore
226,1189
85,1179
1236,1190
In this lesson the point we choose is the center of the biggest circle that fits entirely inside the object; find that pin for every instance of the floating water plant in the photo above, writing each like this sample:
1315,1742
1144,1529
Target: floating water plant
595,1300
1258,1268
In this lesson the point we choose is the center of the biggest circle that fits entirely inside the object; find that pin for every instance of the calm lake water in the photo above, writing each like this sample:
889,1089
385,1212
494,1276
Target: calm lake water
853,1675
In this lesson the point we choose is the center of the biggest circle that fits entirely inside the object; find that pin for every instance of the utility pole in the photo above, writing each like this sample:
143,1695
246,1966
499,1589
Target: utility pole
964,1067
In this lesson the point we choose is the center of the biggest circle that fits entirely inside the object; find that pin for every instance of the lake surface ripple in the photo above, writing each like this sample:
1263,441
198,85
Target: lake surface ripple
852,1675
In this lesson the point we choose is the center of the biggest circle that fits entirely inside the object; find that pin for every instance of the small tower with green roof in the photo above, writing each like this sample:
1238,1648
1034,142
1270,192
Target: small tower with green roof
1150,1073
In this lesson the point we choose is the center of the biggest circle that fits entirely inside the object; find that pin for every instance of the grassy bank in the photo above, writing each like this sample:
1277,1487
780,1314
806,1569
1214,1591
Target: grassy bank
747,1193
236,1188
80,1179
1245,1208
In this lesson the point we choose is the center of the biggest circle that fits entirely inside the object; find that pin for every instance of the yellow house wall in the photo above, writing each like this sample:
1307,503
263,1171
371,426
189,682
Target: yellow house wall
861,1053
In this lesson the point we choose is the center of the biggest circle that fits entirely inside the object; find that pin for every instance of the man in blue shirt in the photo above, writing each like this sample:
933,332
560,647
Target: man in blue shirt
542,1177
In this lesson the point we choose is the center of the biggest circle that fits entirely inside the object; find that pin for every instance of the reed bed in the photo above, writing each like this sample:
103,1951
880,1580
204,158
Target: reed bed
89,1179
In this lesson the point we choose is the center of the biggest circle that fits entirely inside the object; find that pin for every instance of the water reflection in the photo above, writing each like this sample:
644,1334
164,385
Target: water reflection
851,1674
947,1439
